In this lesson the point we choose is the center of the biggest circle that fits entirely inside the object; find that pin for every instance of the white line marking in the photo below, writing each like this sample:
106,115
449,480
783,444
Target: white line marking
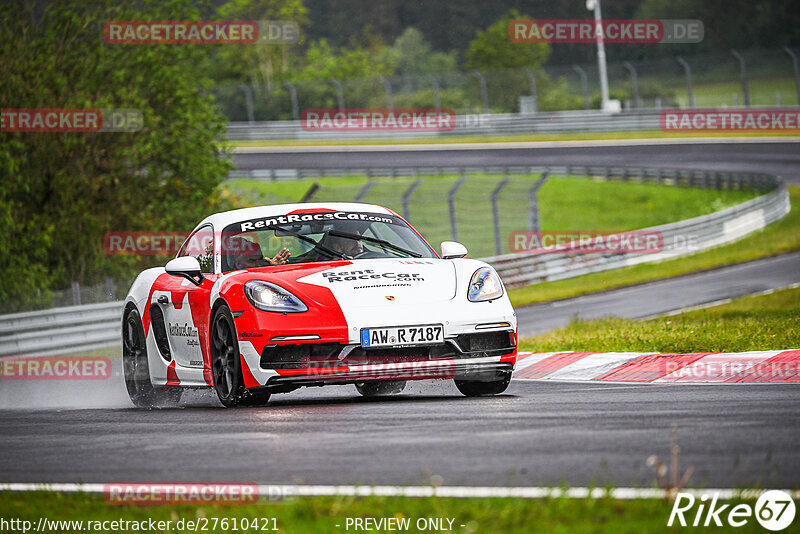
720,302
523,492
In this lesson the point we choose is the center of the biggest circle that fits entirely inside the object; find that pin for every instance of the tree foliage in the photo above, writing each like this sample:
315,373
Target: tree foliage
61,192
414,55
493,50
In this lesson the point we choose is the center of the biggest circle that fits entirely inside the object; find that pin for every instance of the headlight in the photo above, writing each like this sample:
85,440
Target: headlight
269,297
485,285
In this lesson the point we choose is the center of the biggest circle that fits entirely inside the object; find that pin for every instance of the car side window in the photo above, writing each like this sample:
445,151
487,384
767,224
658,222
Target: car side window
200,245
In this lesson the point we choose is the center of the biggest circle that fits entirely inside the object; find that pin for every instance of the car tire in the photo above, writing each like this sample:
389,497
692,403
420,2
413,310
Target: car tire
374,389
135,367
226,364
477,388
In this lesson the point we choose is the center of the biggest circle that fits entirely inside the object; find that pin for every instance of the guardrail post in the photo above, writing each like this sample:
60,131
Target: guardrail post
436,102
533,222
484,93
451,204
364,190
688,71
339,92
248,99
796,71
293,96
634,82
76,294
387,86
584,84
743,70
407,197
534,92
498,242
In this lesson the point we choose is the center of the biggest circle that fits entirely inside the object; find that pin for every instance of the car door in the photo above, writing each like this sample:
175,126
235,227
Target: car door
179,308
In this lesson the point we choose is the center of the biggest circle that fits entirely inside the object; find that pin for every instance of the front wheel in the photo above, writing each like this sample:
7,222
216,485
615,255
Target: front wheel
141,390
226,364
476,388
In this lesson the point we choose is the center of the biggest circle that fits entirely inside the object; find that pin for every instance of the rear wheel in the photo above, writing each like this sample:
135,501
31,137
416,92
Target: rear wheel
136,369
373,389
476,388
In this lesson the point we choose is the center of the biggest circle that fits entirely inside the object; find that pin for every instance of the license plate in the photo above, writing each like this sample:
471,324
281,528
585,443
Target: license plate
405,336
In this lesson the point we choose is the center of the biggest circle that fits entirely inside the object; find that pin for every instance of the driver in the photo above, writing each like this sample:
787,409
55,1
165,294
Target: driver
245,254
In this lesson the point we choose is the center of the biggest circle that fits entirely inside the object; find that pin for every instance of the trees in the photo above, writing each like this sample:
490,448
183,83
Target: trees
493,50
61,192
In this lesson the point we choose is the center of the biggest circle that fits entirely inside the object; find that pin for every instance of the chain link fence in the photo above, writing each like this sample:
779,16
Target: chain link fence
769,79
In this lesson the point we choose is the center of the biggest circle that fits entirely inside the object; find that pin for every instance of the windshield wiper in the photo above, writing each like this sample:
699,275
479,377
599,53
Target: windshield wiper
307,239
375,240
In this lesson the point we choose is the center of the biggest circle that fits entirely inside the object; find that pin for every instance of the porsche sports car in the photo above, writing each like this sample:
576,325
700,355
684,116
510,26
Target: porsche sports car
268,299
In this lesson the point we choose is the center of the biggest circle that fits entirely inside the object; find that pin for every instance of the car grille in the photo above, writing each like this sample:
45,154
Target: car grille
477,345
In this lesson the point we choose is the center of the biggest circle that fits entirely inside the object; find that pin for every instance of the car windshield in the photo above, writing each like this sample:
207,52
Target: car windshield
320,235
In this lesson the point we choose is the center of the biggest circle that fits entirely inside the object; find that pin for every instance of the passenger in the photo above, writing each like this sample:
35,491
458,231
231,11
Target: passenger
244,254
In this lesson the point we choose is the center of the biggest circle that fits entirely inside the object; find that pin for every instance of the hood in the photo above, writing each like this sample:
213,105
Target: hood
386,282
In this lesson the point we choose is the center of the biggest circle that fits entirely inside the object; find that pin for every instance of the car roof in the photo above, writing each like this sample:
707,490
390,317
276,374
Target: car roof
223,219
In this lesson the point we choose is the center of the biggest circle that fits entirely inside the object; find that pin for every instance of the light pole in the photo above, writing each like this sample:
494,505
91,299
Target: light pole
601,50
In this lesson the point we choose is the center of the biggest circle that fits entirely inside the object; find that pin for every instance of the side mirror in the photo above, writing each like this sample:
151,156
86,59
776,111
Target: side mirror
452,249
187,267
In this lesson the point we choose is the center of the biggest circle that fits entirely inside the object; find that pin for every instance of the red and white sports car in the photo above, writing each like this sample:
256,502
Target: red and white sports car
268,299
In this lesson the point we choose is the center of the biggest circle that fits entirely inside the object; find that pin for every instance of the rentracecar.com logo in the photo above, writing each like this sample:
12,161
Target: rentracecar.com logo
774,510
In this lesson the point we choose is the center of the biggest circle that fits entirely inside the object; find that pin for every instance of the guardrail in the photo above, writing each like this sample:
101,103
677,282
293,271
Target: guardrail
483,124
680,239
61,330
80,328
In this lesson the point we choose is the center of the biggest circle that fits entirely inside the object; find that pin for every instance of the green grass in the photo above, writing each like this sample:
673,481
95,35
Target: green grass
322,514
566,204
779,237
767,322
571,136
762,93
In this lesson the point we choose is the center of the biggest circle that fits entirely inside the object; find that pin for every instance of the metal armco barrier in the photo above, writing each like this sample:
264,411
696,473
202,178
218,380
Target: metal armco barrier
680,239
79,328
479,124
61,330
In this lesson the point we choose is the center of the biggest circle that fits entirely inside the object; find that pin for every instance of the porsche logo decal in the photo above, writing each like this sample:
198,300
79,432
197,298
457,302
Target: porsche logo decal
389,297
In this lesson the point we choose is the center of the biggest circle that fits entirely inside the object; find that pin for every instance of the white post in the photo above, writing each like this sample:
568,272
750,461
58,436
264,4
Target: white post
601,50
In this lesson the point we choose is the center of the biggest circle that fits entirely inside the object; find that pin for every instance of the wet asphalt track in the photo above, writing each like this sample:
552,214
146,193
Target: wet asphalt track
537,433
780,158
